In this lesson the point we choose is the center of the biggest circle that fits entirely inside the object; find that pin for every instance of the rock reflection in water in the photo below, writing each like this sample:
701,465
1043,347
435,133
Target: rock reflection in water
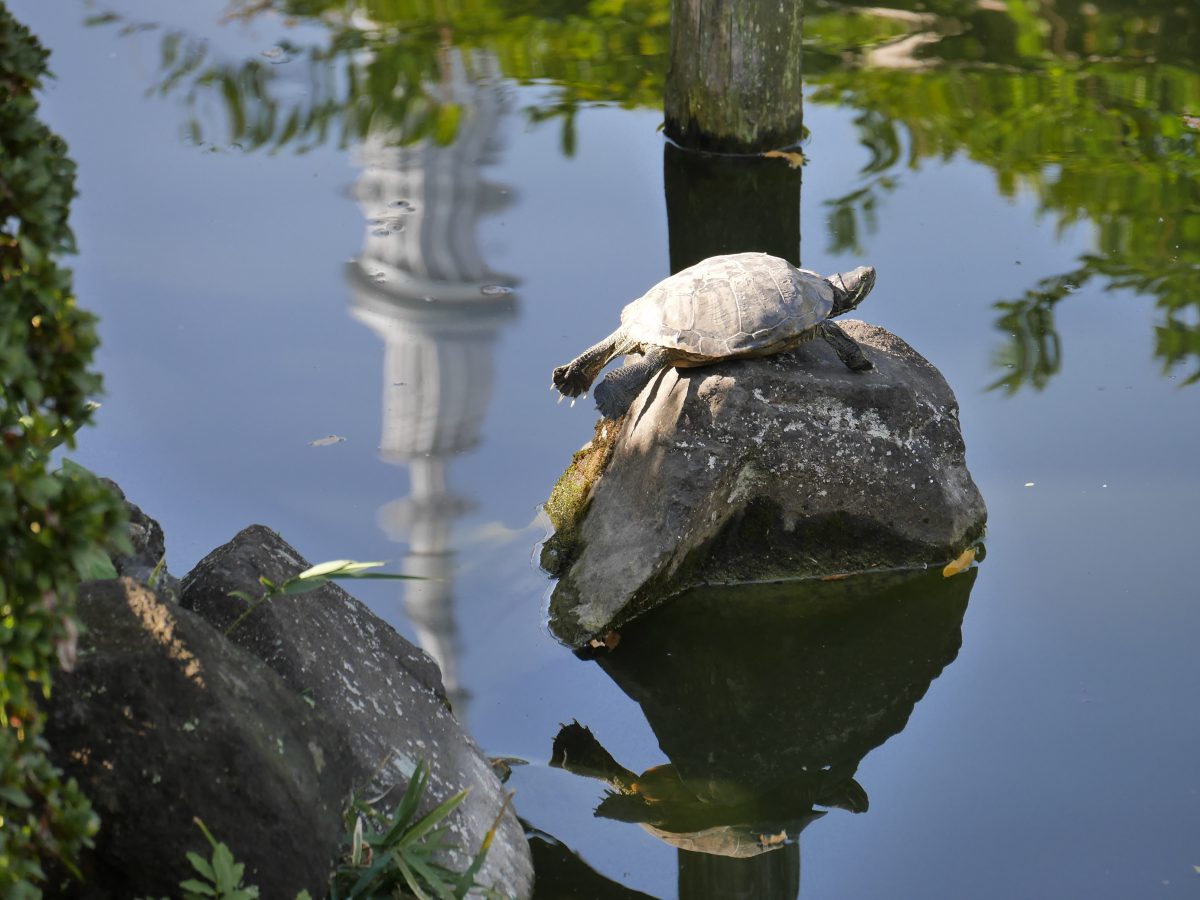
765,699
422,284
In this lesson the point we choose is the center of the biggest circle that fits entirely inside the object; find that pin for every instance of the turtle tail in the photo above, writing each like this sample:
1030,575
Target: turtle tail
620,388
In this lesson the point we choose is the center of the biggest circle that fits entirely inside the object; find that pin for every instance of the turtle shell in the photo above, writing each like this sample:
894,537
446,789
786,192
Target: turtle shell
735,305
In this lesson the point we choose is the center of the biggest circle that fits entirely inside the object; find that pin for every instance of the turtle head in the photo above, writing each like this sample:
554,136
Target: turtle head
849,288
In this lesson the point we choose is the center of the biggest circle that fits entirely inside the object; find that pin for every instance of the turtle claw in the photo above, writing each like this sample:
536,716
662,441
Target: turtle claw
571,380
573,401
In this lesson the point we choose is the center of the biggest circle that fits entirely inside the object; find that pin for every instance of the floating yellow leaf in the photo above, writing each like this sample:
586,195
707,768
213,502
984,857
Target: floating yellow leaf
794,159
964,560
608,642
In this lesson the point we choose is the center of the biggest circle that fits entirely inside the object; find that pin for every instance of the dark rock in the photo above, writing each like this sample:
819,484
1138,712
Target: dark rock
385,693
149,550
791,466
163,720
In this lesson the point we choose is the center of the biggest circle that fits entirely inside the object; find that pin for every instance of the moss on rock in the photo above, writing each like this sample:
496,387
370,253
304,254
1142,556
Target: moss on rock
570,495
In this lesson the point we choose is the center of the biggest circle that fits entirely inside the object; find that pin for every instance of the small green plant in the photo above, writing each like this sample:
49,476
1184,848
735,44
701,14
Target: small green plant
309,580
222,876
396,855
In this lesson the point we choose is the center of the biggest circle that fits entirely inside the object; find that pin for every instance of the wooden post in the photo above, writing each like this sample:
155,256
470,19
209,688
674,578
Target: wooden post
730,204
733,79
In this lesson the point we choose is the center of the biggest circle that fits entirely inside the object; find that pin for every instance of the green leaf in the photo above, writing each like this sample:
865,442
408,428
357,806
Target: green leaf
407,808
356,843
434,876
70,467
224,869
412,794
467,879
152,581
295,586
369,876
197,887
200,864
379,576
92,564
432,818
15,796
410,877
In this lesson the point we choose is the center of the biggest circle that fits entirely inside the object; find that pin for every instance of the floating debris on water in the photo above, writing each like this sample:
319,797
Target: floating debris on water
964,559
278,55
326,441
794,160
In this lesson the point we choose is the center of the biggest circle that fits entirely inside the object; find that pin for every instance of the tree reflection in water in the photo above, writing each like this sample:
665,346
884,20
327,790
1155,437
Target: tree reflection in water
1092,106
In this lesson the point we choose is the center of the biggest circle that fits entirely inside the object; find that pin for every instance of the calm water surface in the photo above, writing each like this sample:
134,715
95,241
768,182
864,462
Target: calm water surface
389,227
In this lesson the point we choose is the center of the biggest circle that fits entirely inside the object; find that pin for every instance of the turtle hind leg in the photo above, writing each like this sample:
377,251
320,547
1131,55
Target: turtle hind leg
577,376
621,386
846,347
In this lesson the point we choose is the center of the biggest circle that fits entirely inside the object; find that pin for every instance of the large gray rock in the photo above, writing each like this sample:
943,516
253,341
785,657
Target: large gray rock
790,466
385,693
163,720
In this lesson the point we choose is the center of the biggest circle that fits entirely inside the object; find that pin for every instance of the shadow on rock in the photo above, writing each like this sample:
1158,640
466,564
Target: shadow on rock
765,699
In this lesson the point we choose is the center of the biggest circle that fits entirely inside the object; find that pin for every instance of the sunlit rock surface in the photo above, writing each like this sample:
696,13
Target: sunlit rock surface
790,466
385,693
164,720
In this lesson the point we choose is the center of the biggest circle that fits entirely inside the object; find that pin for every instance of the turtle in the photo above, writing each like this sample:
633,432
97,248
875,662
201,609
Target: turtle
724,307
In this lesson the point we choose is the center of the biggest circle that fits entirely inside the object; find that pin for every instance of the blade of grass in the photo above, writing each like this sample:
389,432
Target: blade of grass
407,807
431,819
467,879
410,877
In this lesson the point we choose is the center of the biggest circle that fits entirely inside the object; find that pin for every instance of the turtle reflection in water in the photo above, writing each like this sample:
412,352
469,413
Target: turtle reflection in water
725,307
706,815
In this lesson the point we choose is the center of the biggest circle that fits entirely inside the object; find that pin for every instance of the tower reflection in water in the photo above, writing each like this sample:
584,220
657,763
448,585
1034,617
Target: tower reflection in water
423,286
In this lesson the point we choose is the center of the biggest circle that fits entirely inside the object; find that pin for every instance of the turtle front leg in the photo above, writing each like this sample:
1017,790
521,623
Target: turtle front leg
577,376
846,347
